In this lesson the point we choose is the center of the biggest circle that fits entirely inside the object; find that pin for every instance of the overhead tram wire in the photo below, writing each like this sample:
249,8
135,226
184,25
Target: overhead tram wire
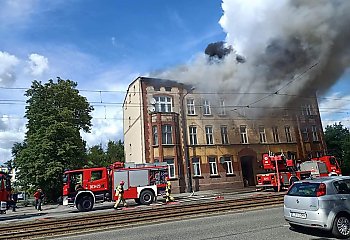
287,84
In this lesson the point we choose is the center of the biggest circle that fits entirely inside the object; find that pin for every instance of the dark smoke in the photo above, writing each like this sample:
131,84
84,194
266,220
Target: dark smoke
217,50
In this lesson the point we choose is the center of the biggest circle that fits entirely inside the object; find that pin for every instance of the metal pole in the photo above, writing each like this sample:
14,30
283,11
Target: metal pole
185,142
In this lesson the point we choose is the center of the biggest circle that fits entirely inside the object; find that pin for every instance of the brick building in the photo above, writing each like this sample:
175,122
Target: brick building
207,143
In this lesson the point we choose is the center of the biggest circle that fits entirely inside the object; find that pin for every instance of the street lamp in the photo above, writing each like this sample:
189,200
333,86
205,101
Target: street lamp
185,142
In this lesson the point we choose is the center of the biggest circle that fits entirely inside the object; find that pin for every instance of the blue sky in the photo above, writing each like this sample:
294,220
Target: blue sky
104,45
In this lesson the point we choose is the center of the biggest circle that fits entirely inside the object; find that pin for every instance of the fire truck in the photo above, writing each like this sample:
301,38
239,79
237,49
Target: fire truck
283,172
83,188
5,192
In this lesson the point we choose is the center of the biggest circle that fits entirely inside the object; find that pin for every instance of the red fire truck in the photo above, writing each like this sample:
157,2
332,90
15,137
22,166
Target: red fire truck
5,192
142,182
280,172
283,172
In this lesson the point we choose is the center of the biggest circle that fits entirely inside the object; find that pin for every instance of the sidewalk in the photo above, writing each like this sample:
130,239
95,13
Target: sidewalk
52,210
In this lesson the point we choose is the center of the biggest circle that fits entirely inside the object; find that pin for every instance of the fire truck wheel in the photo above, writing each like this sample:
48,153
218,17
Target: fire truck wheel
85,204
146,197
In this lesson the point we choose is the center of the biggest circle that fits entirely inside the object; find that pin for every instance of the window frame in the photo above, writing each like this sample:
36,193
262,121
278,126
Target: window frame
222,108
164,106
209,135
276,138
167,136
155,138
288,133
193,135
262,134
213,166
191,110
244,134
224,134
171,167
196,165
314,132
206,107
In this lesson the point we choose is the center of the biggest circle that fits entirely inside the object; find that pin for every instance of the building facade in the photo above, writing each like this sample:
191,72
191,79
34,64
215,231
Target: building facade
208,143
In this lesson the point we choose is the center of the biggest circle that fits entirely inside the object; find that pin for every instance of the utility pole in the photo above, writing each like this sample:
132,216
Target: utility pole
185,142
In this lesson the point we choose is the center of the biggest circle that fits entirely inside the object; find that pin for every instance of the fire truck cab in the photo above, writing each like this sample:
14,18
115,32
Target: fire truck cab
332,165
142,182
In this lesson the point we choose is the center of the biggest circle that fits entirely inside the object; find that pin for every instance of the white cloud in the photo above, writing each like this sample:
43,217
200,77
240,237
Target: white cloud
335,108
38,64
8,63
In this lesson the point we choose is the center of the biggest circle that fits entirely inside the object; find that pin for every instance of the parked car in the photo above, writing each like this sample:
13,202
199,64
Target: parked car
322,203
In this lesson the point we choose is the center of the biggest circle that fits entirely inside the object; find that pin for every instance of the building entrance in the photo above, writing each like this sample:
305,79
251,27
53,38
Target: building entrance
247,170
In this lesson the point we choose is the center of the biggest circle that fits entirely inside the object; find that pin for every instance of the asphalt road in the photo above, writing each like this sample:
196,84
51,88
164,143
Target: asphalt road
258,224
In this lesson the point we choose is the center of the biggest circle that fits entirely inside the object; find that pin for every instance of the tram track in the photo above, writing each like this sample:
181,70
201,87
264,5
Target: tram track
50,228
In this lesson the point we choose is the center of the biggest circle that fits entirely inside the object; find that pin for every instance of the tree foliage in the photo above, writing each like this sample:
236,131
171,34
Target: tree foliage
98,157
56,113
338,143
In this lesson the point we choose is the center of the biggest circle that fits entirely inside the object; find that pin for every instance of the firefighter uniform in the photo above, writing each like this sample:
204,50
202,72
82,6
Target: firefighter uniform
119,192
168,197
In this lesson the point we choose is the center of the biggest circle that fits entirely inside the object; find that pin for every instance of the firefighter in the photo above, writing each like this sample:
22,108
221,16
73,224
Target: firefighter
168,197
119,192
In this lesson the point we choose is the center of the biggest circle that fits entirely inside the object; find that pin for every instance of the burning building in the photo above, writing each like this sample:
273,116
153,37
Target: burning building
207,142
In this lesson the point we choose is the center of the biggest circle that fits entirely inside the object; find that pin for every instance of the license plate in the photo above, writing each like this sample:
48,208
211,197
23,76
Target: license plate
298,215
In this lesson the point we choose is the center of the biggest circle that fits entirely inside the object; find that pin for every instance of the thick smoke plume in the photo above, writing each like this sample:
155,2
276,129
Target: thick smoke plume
290,47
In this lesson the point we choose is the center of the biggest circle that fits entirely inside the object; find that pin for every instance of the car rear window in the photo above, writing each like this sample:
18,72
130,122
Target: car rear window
305,189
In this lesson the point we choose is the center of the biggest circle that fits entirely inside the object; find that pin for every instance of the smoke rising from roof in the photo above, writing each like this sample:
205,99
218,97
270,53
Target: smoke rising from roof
289,47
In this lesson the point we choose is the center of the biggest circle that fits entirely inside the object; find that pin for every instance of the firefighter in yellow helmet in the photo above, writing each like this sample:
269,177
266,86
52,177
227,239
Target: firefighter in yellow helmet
119,192
168,197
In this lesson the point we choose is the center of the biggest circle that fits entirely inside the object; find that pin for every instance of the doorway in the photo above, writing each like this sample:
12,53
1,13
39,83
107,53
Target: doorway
247,170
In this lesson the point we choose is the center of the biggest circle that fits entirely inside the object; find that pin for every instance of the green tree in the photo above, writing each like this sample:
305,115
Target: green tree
56,113
96,157
338,143
115,151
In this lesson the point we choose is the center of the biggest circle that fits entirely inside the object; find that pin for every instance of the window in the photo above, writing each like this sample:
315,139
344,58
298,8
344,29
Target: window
305,134
276,138
244,136
262,134
166,134
171,167
213,166
224,135
288,133
96,175
190,107
193,135
163,104
228,165
314,133
306,110
209,134
155,135
222,107
207,110
196,167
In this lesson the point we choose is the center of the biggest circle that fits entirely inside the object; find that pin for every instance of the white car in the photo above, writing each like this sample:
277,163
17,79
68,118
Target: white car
322,203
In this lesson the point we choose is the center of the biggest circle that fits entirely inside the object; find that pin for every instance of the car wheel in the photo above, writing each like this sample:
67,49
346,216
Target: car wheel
341,227
146,197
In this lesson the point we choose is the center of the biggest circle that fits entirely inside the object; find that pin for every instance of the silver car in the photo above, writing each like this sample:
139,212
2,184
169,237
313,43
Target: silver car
322,203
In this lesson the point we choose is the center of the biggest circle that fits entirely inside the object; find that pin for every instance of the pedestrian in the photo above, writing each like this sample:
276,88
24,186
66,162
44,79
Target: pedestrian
39,196
14,198
168,197
119,192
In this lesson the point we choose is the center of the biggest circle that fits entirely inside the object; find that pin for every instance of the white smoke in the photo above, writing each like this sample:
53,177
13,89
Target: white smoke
38,64
7,68
290,46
